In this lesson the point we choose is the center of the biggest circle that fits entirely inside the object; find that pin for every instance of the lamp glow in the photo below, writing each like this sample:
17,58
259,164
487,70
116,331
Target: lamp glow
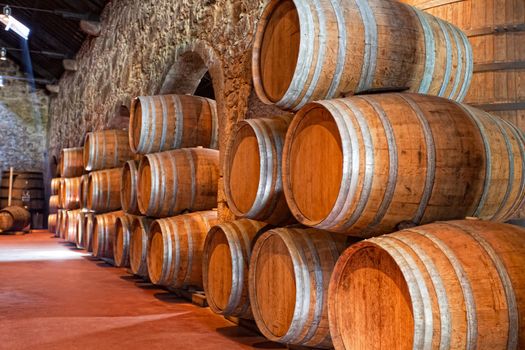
3,54
13,24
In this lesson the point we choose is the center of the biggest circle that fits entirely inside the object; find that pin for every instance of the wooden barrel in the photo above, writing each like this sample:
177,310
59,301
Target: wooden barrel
128,188
53,204
252,174
175,249
27,190
121,241
161,123
289,273
14,218
173,181
104,227
106,149
496,30
226,256
70,193
104,190
71,162
61,217
448,285
306,51
71,225
364,165
138,245
55,186
84,183
52,223
85,227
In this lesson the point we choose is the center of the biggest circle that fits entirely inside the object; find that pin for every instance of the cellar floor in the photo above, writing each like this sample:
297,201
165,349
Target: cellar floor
53,296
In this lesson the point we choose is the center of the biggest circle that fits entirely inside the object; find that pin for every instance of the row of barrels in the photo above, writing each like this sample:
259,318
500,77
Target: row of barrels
315,288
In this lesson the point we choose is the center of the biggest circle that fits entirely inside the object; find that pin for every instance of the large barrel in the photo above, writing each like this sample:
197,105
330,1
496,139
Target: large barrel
27,191
306,51
121,241
55,186
104,190
84,188
71,162
175,249
53,204
173,181
162,123
70,193
106,149
138,245
225,261
448,285
496,30
128,188
72,218
252,174
14,218
52,223
104,226
364,165
290,270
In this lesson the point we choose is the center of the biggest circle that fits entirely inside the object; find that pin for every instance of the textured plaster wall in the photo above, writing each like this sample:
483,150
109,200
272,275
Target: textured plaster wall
152,46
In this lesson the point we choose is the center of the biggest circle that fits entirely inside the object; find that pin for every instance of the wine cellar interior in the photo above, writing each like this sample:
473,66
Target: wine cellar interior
262,174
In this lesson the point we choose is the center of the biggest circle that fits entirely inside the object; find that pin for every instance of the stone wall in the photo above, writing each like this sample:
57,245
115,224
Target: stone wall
152,46
23,122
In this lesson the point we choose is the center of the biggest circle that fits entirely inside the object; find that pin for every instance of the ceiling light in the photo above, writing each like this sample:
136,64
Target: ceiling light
3,54
13,24
1,81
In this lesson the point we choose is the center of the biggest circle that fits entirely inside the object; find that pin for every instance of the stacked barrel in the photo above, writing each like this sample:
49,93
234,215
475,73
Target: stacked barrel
348,167
169,193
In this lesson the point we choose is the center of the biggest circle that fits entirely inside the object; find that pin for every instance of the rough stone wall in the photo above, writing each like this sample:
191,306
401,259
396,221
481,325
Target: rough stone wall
23,122
140,42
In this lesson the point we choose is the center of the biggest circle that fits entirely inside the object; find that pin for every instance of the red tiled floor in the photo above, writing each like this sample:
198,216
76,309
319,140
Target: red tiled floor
53,296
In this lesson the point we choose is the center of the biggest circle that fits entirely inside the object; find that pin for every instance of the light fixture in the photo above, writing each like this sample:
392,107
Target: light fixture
3,54
13,24
1,81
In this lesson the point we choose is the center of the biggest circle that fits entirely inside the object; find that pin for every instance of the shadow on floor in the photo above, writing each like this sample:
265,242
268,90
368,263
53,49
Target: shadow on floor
171,298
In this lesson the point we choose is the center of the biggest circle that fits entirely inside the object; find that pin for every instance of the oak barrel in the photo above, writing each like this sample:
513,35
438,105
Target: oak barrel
84,188
14,218
175,247
289,273
103,194
55,186
128,188
71,162
52,223
225,261
364,165
138,245
121,241
106,149
71,225
104,227
252,174
173,181
70,193
306,51
447,285
496,30
85,227
53,204
61,217
166,122
27,190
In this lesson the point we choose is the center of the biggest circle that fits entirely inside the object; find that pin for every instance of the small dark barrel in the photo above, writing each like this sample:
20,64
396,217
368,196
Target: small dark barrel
121,241
174,255
138,245
162,123
14,218
225,261
128,188
252,170
106,149
72,162
174,181
104,228
27,191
